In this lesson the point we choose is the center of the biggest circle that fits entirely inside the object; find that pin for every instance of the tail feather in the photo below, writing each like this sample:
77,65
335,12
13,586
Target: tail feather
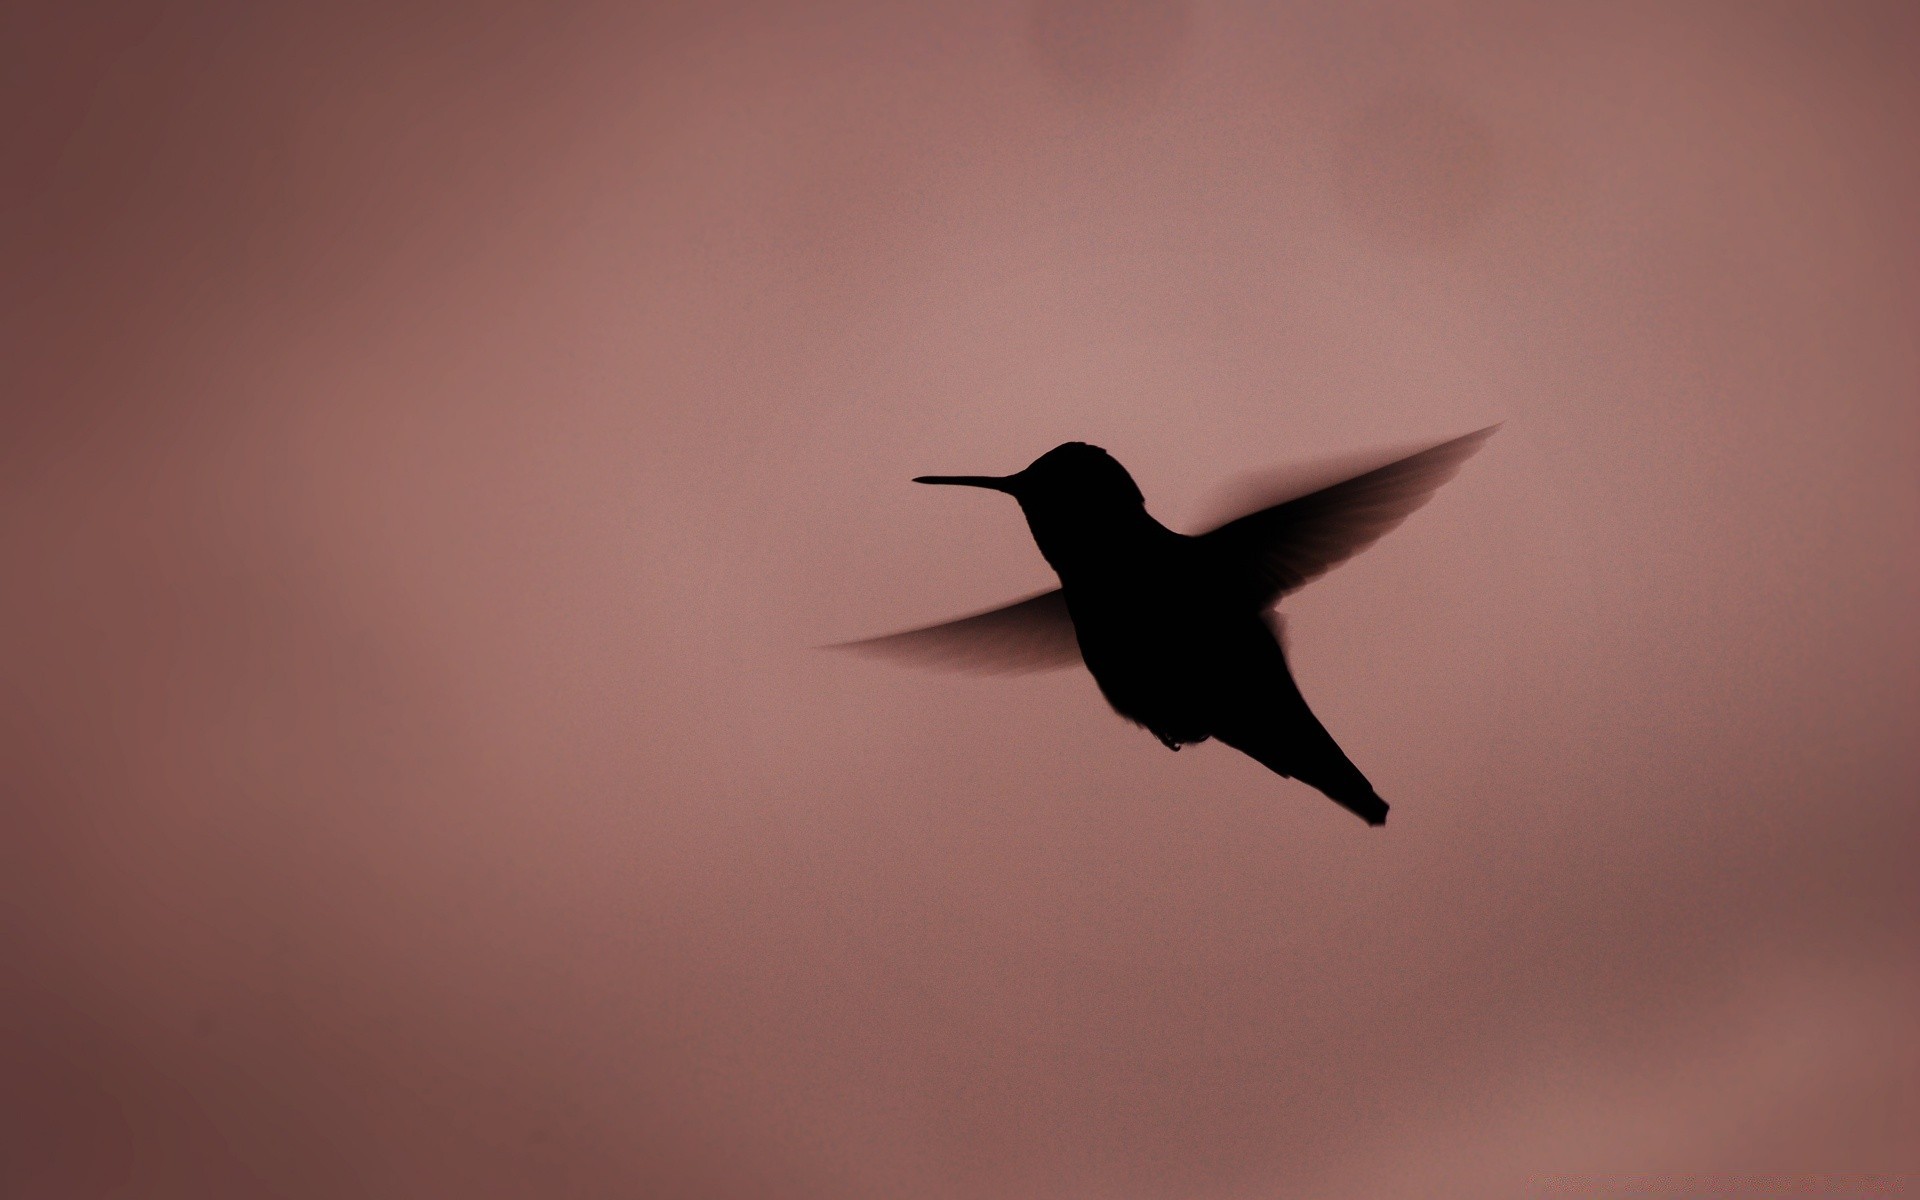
1312,756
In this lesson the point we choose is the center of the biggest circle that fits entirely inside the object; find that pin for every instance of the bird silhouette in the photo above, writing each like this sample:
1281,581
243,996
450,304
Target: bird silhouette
1179,631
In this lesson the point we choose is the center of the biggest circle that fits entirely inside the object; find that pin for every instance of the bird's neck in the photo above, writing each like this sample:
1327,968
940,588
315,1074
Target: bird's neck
1092,543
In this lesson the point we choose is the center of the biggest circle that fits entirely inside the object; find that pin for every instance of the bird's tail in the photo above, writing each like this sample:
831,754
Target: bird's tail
1310,755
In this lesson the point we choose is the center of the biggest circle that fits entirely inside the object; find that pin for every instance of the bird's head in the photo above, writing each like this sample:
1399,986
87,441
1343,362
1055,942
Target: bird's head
1071,495
1072,474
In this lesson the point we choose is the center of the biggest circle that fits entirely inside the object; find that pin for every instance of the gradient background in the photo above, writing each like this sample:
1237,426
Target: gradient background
435,435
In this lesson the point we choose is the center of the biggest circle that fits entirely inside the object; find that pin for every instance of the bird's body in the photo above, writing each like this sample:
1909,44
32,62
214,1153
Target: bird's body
1177,630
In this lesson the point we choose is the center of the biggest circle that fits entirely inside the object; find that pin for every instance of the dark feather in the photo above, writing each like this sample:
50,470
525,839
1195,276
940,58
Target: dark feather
1034,634
1287,544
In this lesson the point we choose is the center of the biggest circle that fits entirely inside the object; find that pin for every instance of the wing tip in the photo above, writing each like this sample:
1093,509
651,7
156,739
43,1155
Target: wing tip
886,649
1458,449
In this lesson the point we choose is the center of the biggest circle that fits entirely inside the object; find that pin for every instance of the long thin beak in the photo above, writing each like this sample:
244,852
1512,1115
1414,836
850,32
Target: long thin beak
999,483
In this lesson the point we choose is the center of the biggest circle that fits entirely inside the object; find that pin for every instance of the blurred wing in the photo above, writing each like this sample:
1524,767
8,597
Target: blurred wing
1287,544
1034,634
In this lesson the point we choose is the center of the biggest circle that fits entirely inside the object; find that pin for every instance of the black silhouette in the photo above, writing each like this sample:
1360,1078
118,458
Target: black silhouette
1178,631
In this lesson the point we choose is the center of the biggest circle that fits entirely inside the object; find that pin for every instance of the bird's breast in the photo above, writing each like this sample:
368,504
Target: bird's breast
1153,642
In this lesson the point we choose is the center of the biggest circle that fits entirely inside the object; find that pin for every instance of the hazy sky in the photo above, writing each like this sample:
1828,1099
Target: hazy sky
437,434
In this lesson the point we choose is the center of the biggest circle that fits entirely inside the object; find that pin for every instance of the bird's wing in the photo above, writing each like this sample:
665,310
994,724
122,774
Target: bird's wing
1297,539
1034,634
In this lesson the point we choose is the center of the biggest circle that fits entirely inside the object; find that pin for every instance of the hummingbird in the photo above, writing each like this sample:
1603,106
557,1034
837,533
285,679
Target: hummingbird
1180,632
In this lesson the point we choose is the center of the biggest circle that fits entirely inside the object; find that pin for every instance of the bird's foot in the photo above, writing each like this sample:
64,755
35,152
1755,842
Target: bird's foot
1168,742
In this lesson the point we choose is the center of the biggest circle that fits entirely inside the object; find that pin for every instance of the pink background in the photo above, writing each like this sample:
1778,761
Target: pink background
435,435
